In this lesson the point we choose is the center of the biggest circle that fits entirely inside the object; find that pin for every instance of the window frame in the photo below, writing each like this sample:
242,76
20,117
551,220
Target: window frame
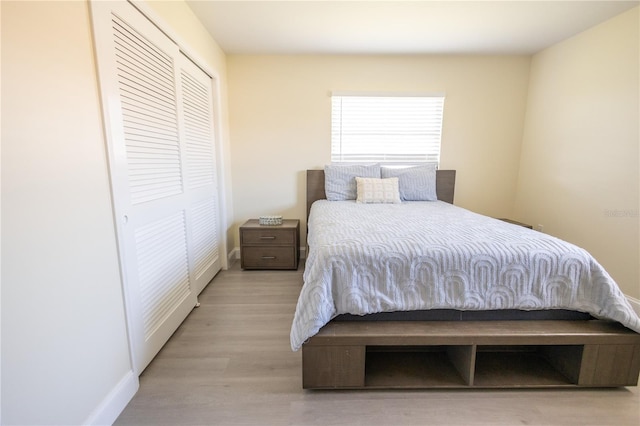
376,118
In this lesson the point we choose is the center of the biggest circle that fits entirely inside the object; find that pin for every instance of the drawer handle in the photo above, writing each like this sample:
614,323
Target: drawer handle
268,238
268,257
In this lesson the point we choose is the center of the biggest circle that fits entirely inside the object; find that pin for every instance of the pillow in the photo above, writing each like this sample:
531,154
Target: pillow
416,183
340,180
373,190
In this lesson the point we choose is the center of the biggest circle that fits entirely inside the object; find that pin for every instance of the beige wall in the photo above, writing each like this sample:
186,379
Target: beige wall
62,311
65,355
579,167
62,305
280,122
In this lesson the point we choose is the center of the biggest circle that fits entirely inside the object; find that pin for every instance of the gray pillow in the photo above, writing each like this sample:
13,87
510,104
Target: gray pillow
340,180
416,183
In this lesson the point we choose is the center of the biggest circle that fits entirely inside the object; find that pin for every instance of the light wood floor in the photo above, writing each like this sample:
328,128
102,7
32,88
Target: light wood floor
230,363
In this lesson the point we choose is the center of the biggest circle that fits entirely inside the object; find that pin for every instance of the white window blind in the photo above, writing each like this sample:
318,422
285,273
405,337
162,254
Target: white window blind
388,129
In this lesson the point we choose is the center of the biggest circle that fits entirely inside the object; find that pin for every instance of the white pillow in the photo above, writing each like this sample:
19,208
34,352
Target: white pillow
373,190
416,183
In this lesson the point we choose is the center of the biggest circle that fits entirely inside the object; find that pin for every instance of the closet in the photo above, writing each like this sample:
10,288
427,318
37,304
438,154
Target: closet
158,110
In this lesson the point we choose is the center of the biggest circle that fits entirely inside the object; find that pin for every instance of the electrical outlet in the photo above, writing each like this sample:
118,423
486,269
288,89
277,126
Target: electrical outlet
540,228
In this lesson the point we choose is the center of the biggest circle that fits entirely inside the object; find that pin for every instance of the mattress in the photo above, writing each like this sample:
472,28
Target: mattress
371,258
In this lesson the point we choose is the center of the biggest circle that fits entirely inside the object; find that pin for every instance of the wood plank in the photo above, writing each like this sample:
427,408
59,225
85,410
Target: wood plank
463,359
445,185
481,332
632,376
333,367
610,365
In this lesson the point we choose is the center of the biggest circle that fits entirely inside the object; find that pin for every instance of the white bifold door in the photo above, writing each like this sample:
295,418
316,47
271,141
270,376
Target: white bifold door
159,120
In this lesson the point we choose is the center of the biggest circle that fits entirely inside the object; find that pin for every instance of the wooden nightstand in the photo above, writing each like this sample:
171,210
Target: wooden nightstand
515,222
270,247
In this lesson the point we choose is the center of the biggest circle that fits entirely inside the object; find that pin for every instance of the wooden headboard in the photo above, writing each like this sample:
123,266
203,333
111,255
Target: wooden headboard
445,186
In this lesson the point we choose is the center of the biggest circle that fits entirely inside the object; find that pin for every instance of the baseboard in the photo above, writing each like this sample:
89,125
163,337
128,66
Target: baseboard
635,304
233,255
115,402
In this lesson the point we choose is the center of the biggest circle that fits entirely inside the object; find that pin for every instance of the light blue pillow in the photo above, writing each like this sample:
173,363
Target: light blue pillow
416,183
340,180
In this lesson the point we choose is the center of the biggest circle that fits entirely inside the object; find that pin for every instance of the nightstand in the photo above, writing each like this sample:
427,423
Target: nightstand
515,222
270,246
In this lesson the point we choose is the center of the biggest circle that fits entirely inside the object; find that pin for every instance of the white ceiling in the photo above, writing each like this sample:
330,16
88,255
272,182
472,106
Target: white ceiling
398,27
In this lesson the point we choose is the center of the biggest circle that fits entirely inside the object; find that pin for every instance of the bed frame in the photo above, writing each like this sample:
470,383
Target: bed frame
389,352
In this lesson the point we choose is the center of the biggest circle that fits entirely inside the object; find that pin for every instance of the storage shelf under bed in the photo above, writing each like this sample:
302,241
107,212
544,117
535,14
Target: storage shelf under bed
504,354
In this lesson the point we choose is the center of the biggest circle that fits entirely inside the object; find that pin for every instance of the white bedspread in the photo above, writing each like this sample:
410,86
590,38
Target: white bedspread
367,258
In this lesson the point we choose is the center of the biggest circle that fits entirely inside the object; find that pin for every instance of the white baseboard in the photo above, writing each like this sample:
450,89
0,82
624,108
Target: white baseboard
115,402
635,304
233,255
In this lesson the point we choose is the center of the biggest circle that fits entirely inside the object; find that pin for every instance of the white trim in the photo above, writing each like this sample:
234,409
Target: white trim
388,94
635,304
108,116
234,254
163,26
220,165
107,412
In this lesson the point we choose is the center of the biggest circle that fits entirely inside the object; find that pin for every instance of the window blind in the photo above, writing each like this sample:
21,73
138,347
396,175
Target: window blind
388,129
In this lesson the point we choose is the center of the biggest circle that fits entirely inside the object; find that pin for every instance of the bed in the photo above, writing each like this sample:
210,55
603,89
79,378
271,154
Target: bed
426,294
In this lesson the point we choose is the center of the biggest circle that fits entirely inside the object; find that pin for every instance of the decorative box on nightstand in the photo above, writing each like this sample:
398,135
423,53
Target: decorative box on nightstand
270,246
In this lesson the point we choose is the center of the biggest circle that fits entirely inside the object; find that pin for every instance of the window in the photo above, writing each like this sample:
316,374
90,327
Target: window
386,129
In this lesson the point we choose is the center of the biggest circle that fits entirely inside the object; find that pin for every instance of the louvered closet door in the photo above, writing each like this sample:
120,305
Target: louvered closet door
196,111
159,120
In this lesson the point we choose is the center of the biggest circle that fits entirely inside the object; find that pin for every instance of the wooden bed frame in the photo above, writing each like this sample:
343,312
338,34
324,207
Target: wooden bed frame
466,354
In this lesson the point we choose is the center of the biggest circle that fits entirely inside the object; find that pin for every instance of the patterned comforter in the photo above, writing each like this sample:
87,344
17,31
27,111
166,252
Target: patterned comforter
368,258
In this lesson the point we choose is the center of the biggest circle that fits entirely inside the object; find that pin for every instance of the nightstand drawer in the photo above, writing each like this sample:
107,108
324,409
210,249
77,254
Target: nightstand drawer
276,236
269,257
